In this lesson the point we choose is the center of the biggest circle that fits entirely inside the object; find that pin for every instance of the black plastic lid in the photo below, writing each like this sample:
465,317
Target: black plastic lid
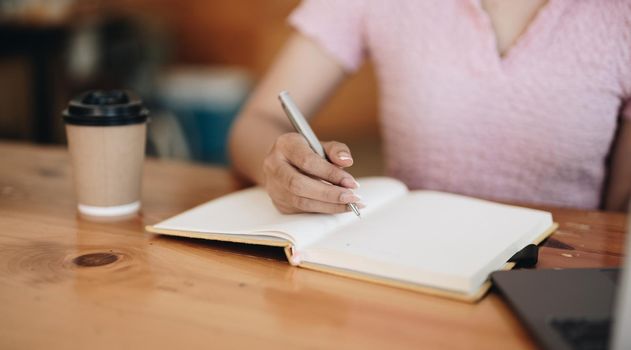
106,108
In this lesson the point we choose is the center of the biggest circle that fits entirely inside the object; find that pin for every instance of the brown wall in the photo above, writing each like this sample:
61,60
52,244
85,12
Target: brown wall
15,106
249,33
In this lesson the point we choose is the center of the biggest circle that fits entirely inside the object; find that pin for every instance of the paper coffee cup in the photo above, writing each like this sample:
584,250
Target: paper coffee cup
106,137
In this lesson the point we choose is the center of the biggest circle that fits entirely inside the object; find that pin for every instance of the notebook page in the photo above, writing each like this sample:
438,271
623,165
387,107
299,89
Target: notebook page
251,211
435,239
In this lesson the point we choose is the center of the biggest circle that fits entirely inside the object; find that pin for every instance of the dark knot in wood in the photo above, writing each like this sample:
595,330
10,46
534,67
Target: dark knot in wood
95,259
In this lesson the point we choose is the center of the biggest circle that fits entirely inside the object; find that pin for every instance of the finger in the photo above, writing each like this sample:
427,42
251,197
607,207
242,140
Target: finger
288,209
338,153
314,206
301,185
288,203
303,158
285,209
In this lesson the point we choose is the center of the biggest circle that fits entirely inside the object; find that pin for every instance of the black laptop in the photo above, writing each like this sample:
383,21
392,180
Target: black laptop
572,308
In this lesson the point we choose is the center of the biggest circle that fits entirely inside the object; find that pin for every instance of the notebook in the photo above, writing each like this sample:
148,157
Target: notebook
433,242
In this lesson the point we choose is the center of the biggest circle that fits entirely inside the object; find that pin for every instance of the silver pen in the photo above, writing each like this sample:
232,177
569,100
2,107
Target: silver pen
302,127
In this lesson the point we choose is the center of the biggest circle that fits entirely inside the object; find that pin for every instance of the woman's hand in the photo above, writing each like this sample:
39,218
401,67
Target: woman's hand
294,173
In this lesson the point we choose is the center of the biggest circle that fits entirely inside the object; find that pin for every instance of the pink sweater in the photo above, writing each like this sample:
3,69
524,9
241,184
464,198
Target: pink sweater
533,126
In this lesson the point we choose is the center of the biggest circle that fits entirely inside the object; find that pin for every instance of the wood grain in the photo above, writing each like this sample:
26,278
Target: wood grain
69,283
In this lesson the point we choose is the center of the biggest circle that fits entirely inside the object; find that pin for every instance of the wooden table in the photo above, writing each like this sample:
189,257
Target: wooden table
69,283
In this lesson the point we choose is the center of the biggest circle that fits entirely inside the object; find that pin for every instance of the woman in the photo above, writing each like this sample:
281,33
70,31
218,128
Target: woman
516,100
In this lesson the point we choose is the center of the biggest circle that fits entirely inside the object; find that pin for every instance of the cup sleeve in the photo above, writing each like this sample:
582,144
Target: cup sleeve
335,25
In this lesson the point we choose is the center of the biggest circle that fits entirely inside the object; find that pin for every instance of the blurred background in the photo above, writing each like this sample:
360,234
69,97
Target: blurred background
193,61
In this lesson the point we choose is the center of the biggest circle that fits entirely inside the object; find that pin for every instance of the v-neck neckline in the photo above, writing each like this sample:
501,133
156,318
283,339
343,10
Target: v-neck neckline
535,28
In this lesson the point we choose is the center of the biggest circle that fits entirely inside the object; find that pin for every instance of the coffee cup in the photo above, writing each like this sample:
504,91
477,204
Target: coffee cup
106,133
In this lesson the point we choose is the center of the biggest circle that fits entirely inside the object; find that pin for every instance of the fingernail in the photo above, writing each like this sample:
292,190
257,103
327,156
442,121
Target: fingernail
360,205
349,182
356,183
349,197
344,156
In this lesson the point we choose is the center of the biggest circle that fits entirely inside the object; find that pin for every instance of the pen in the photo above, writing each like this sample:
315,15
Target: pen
302,127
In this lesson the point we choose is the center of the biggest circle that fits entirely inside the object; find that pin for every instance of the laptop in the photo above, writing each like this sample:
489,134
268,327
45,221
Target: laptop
573,308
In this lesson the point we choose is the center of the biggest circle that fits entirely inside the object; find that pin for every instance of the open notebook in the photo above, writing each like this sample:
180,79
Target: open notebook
423,240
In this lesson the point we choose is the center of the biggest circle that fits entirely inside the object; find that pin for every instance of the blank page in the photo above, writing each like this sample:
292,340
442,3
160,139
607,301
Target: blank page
434,239
251,211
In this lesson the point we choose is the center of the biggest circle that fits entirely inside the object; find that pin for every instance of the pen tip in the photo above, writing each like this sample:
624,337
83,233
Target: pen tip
355,210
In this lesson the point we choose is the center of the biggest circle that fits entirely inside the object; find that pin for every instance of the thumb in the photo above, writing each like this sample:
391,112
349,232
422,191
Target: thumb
338,153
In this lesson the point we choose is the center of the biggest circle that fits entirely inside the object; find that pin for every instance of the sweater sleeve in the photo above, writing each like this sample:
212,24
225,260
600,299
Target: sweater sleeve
337,26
